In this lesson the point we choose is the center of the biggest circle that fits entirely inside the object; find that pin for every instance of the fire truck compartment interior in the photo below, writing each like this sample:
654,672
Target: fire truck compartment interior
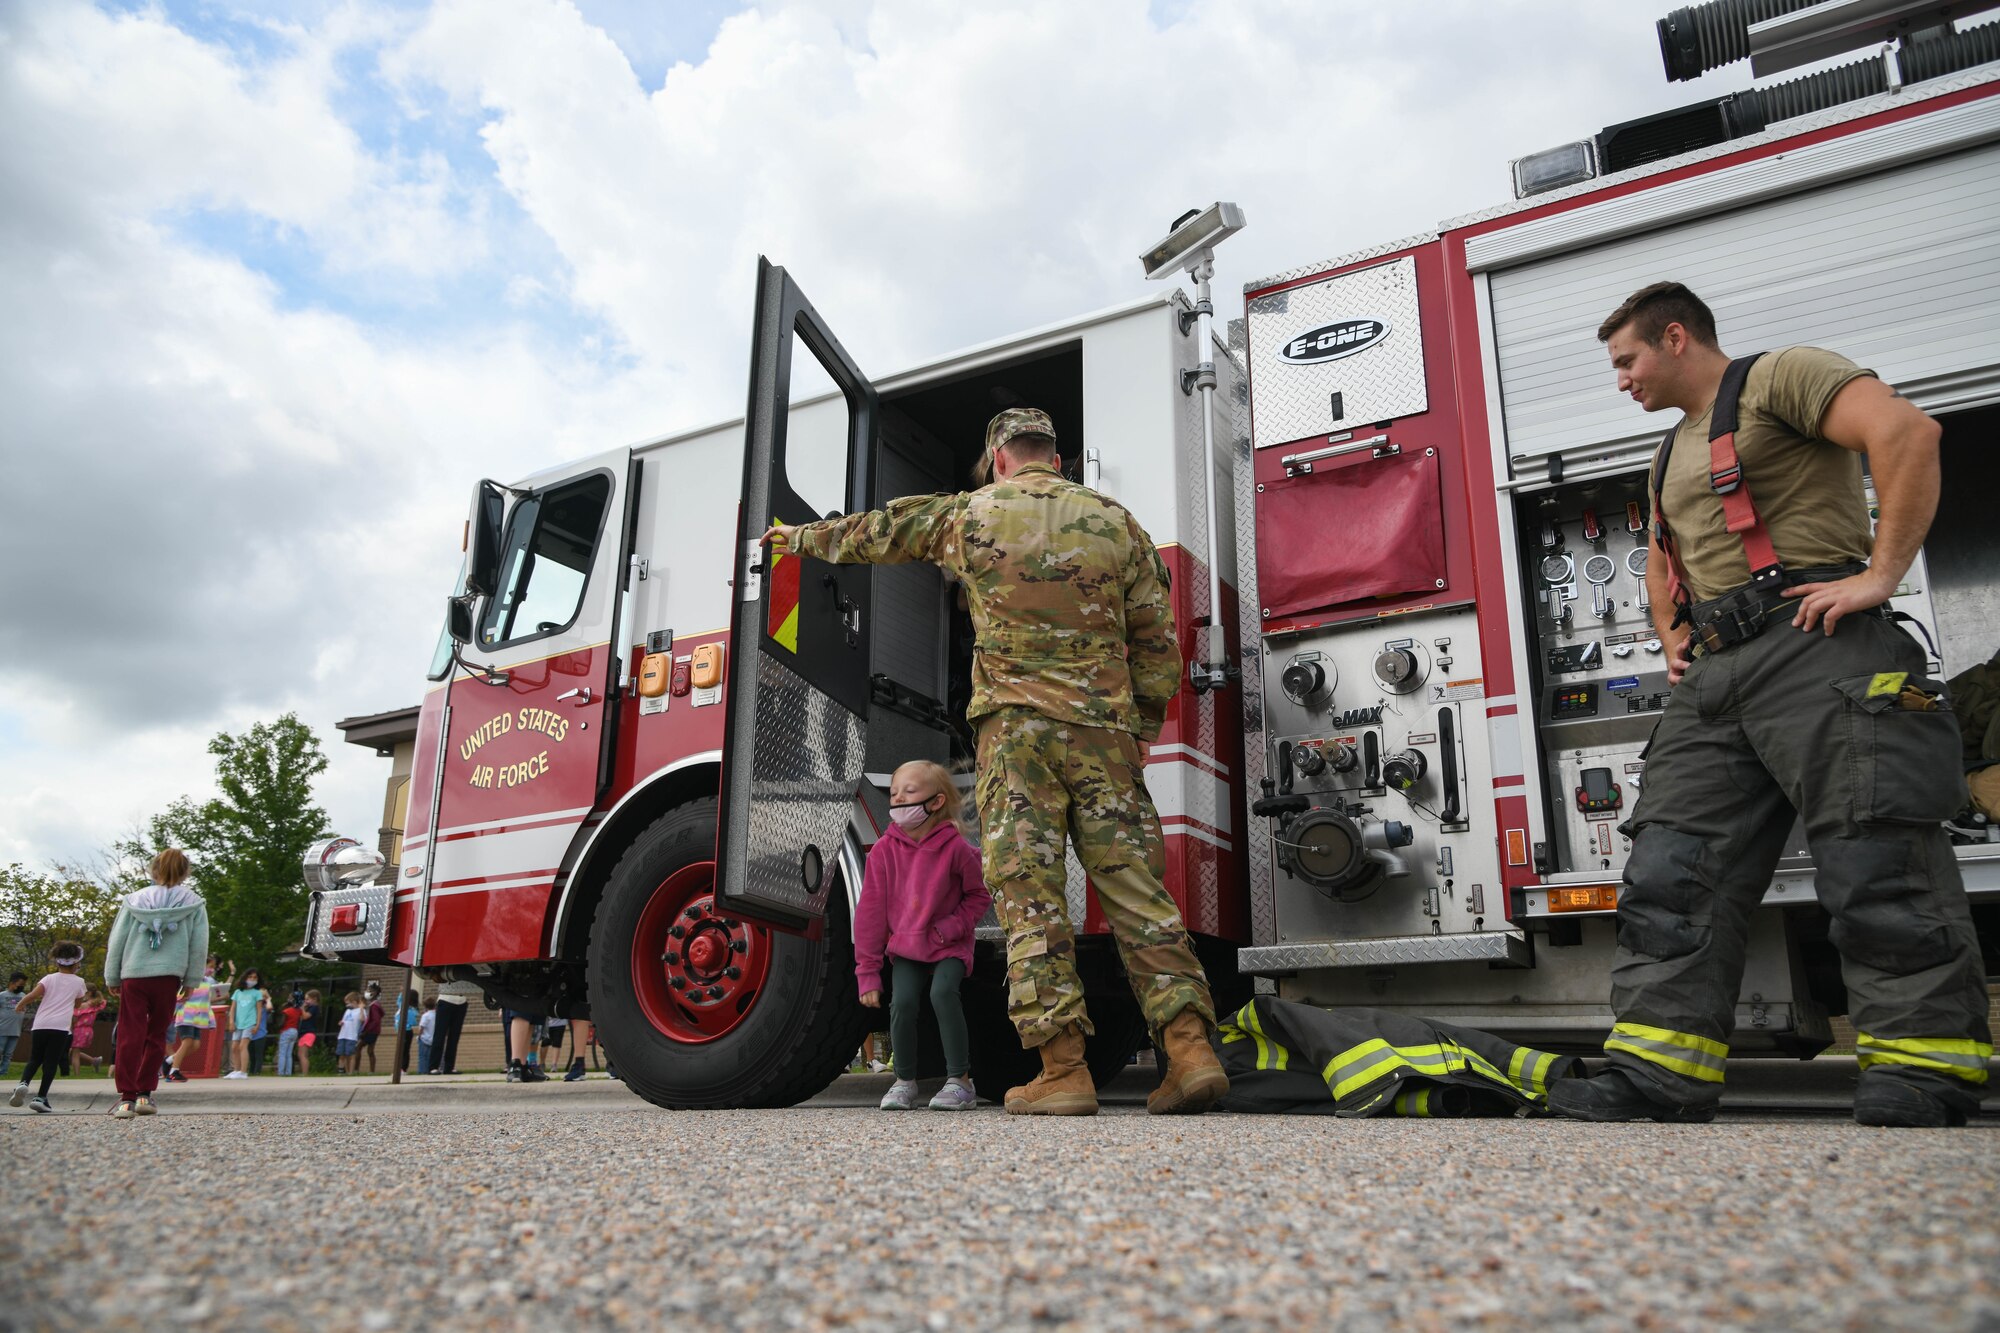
931,438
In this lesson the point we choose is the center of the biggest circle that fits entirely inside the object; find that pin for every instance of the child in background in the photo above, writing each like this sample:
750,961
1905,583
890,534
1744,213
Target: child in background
921,895
308,1032
83,1030
195,1016
288,1034
248,1005
552,1040
348,1044
10,1020
48,1048
426,1026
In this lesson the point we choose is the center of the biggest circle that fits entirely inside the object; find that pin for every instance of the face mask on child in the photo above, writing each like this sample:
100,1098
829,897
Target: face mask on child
913,814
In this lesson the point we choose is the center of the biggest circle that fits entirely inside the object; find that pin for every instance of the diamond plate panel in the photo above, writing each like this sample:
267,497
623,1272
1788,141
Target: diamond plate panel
1249,634
374,936
1290,401
1492,946
808,756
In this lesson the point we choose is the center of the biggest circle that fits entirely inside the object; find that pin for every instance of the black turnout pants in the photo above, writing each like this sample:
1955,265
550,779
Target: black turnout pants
1797,722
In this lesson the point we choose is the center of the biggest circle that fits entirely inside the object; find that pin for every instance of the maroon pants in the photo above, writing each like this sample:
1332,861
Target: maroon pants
145,1008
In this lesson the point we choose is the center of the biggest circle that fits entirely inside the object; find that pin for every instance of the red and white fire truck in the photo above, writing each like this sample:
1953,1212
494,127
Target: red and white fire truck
652,756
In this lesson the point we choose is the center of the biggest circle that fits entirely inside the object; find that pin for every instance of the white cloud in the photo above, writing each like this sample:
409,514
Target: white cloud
229,499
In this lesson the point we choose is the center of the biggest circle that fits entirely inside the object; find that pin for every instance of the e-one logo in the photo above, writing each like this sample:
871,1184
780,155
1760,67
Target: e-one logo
1330,342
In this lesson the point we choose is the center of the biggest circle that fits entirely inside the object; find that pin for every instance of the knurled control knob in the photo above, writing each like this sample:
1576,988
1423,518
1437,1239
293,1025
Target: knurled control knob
1404,769
1345,758
1308,760
1395,666
1301,681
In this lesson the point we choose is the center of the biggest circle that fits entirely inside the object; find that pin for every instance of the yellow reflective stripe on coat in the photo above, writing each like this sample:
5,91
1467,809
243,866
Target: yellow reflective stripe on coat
1358,1066
1270,1054
1528,1071
1414,1101
1684,1053
1960,1057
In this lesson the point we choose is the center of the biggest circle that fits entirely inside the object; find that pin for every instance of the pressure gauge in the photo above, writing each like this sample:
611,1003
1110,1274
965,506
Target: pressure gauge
1635,560
1559,568
1600,568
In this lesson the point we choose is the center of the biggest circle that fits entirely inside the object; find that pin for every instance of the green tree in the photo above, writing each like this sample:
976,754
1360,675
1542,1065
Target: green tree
247,844
37,909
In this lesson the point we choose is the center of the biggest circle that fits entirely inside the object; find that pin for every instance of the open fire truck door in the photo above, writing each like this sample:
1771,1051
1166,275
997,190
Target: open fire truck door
806,716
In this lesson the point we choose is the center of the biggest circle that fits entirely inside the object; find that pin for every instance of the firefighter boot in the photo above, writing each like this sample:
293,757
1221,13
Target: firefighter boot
1611,1096
1194,1080
1063,1087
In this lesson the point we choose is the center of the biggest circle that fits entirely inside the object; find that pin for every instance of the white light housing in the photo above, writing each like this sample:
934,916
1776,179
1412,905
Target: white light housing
340,863
1190,240
1553,168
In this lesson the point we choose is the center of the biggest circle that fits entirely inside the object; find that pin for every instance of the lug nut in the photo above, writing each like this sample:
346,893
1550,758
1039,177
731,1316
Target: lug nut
678,983
738,946
715,992
693,913
733,973
679,932
670,957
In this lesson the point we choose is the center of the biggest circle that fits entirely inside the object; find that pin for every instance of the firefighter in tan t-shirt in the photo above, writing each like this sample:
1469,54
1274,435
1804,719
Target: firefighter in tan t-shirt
1792,691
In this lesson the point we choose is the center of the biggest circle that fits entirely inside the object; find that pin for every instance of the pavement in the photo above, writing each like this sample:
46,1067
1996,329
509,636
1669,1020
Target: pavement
1755,1088
348,1204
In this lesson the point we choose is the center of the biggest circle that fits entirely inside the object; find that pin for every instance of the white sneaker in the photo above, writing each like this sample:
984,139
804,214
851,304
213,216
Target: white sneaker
39,1104
20,1094
955,1095
874,1067
901,1096
236,1073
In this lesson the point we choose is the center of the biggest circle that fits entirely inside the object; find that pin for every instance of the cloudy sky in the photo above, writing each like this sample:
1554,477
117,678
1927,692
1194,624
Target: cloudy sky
283,279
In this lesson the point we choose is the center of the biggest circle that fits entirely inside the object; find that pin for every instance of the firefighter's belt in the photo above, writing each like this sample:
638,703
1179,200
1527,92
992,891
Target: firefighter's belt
1742,613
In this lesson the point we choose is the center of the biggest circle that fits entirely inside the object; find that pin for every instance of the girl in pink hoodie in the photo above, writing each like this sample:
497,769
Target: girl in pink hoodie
920,898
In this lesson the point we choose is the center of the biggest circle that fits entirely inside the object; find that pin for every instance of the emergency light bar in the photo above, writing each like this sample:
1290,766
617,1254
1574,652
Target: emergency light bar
1553,168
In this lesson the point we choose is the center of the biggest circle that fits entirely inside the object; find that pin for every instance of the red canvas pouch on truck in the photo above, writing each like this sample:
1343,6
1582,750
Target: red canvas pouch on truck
1349,533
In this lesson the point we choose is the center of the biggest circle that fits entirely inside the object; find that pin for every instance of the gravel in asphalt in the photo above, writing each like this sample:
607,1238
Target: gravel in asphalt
821,1217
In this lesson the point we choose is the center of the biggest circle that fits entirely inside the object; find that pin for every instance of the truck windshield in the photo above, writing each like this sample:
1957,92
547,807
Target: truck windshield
545,561
441,659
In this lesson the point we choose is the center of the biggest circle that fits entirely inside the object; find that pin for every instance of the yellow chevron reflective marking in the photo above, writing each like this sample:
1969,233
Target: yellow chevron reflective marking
1887,682
1267,1050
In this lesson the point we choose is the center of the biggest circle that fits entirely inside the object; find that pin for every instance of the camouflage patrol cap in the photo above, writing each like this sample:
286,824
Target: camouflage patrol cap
1017,421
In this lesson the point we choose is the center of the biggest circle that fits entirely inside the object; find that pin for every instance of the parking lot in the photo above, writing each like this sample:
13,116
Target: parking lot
507,1207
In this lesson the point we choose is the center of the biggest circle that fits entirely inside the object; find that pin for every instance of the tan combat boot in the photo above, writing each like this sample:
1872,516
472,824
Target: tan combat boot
1063,1087
1194,1080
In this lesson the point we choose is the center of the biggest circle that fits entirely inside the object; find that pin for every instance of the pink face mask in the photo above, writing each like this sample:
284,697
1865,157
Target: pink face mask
909,816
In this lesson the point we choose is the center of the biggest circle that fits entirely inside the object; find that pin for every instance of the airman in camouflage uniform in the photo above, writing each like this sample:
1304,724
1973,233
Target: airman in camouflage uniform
1075,662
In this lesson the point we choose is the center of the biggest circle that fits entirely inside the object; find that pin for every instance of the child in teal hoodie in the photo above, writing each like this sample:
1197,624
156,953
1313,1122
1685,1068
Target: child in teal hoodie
159,943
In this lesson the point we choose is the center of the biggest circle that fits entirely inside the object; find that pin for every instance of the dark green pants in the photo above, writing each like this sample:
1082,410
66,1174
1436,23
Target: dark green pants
1794,721
908,984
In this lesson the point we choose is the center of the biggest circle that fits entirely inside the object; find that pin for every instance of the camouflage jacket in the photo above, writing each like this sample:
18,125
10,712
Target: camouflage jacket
1068,595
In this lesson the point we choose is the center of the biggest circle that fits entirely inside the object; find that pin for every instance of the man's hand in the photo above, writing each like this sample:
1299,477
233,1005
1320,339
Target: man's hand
872,1000
780,536
1678,659
1829,602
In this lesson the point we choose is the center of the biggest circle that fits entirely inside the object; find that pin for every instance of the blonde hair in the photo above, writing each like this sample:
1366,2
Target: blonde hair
170,867
353,998
939,778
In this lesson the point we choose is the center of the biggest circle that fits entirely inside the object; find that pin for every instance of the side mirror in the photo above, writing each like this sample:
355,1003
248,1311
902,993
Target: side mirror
482,566
458,618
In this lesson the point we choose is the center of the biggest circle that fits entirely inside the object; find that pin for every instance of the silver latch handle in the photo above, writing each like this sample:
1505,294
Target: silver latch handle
581,694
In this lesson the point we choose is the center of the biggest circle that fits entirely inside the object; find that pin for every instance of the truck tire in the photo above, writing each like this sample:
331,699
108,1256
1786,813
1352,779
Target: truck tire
701,1009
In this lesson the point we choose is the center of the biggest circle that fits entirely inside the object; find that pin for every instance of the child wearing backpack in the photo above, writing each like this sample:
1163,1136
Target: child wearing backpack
921,895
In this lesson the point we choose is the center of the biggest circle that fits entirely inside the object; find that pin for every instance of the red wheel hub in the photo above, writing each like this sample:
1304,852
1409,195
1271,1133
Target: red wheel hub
696,971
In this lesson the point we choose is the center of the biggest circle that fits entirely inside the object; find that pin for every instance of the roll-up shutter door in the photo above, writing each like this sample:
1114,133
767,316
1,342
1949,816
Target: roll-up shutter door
1899,271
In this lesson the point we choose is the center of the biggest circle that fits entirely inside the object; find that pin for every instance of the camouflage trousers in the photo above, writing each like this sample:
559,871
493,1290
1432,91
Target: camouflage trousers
1040,779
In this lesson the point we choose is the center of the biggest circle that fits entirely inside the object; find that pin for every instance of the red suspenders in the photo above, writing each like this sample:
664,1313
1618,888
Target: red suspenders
1725,478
